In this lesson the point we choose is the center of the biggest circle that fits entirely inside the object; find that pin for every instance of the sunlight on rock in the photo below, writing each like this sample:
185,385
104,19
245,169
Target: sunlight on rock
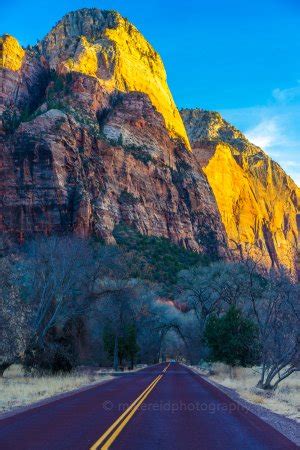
121,59
11,53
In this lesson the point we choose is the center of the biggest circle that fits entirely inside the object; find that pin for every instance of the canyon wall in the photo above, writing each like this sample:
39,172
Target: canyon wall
91,137
258,201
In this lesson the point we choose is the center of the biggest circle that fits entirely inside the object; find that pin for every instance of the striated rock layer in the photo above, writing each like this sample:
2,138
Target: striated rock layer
258,201
90,136
104,45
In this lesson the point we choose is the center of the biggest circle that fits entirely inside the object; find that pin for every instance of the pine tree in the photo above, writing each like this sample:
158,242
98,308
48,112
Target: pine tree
232,339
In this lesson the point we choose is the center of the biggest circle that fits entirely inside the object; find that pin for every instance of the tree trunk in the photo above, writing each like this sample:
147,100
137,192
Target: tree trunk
116,353
131,363
231,372
260,384
265,384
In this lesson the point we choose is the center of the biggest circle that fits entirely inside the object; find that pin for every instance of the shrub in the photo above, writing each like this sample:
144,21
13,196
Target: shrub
53,357
11,119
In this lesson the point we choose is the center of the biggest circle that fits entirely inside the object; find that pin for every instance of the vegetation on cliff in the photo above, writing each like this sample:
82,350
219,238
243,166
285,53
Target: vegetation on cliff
162,260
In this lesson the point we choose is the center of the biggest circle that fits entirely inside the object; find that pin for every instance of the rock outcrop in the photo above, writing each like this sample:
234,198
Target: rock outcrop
91,137
258,201
104,45
11,53
23,75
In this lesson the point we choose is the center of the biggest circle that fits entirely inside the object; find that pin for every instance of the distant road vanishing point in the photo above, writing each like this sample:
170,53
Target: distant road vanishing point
166,406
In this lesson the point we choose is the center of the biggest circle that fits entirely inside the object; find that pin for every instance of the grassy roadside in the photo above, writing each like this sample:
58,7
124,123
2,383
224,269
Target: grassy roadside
17,390
285,400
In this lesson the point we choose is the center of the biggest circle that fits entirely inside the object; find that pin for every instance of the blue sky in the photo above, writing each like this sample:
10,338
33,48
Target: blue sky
234,56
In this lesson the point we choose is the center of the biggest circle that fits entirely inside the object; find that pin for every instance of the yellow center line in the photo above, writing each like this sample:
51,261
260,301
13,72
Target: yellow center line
166,368
126,416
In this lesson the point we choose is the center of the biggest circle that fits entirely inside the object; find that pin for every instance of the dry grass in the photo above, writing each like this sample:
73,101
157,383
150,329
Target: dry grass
285,400
18,390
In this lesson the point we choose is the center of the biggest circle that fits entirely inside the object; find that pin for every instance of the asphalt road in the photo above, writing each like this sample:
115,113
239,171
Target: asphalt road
162,407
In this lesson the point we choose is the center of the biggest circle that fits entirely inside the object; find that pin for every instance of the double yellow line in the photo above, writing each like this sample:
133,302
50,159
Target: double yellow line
166,368
115,429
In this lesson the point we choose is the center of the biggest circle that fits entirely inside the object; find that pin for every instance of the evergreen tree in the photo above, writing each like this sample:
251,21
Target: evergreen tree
126,344
232,339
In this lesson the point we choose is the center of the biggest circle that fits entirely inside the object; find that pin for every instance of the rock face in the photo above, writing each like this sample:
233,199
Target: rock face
258,202
104,45
90,137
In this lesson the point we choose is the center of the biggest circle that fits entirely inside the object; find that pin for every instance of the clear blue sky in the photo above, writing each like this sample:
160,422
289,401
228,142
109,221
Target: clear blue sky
239,57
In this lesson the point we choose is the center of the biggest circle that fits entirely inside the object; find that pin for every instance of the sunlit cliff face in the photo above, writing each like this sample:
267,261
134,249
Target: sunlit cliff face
112,50
249,196
88,141
11,53
258,202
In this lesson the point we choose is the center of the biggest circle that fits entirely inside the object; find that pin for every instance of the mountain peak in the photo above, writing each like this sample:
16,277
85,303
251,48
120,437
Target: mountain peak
210,125
89,22
11,53
106,46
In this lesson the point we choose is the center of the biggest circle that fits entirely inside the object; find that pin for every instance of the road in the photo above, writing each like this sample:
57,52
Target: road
164,407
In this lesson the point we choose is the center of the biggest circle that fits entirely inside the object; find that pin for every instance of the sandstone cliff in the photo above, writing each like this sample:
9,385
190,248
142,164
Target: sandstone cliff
104,45
258,201
91,137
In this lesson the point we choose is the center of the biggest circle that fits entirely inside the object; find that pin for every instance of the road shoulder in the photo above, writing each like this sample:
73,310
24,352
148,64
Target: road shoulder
37,403
51,399
288,427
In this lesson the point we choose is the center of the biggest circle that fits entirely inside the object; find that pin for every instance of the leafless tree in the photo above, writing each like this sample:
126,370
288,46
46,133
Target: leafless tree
14,318
269,298
207,290
64,277
57,275
117,310
275,305
197,293
120,298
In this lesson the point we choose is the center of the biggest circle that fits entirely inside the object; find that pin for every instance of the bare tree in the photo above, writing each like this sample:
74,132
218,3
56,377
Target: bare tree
207,290
14,318
120,297
197,293
270,298
117,311
65,278
274,304
56,275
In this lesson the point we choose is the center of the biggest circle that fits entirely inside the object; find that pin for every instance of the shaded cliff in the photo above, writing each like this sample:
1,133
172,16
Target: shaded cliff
258,201
91,137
